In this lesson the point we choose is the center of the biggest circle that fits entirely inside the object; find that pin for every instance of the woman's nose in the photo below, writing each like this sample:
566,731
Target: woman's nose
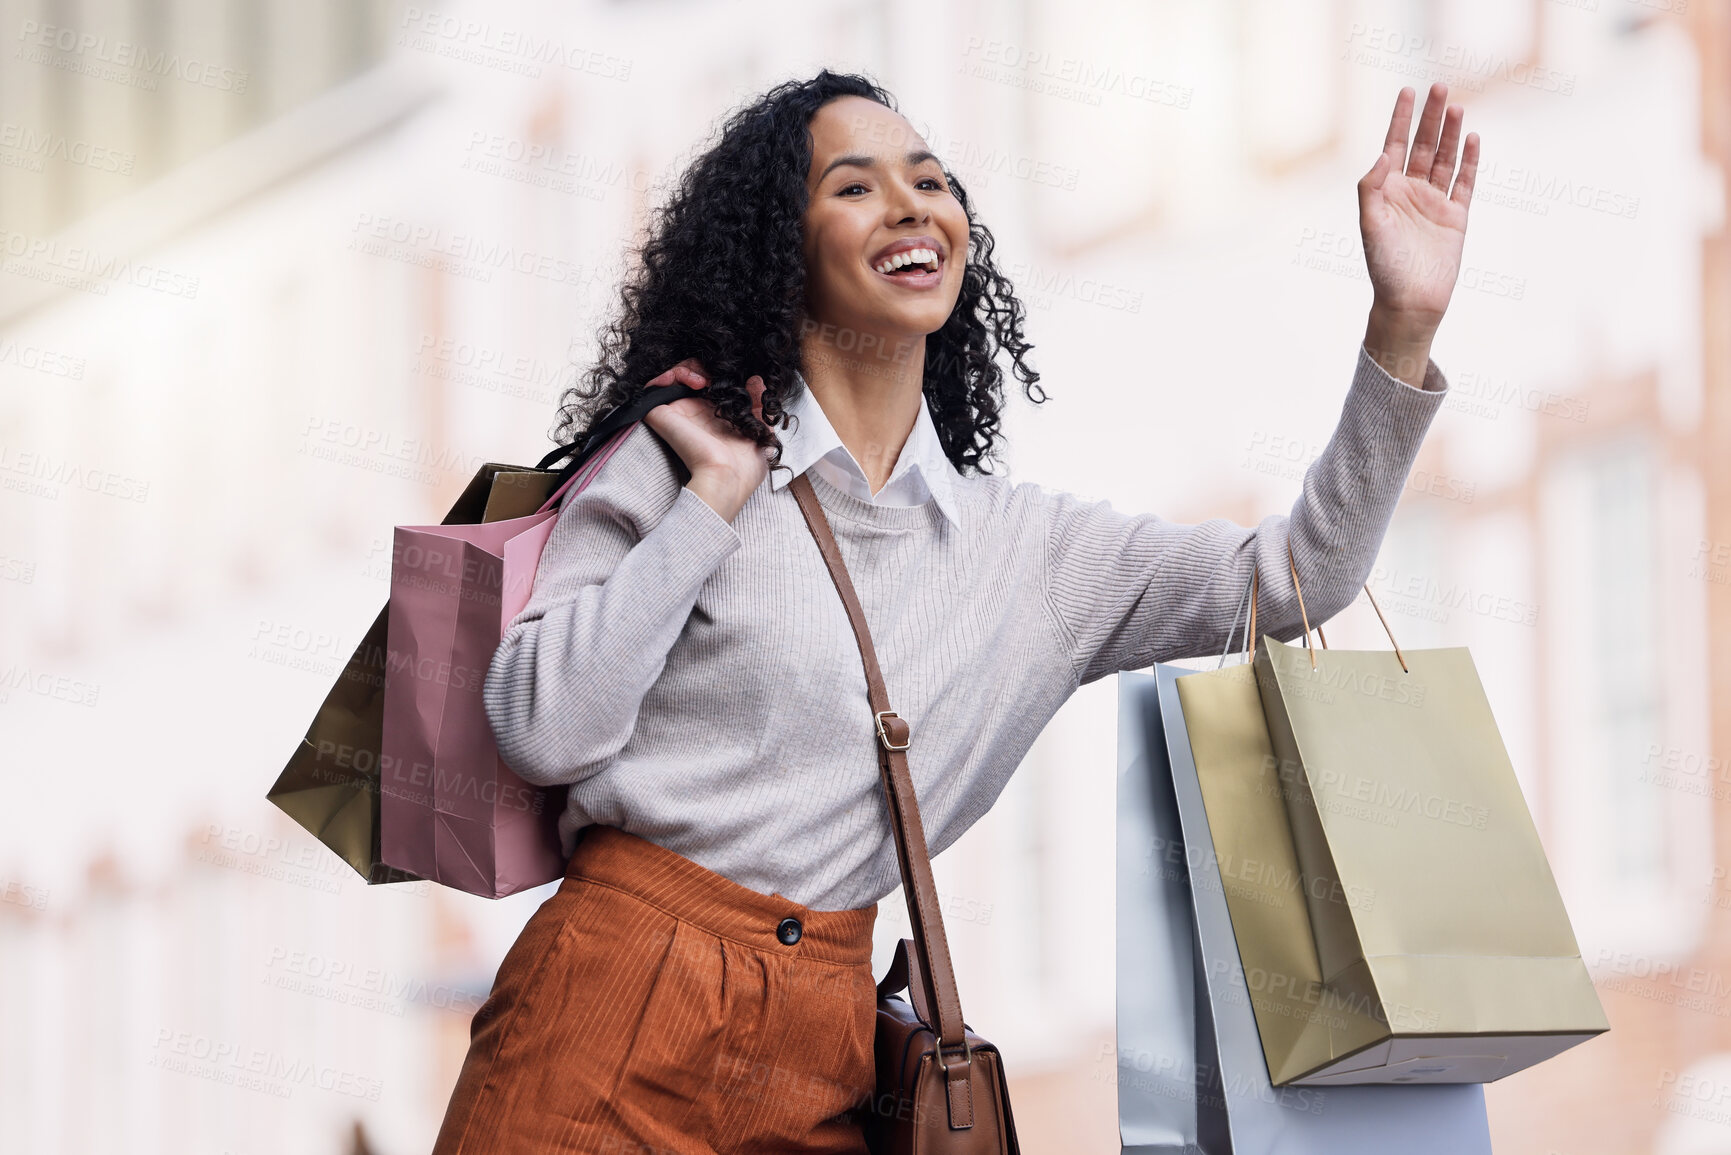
906,208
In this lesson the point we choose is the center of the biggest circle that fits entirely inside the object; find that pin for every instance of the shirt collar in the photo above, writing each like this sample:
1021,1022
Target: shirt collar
814,437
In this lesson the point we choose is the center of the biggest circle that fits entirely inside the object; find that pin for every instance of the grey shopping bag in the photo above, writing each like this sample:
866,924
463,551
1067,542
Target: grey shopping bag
1184,1009
1163,1036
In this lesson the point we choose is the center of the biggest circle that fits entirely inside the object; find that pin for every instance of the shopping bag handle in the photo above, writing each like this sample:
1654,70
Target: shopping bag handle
629,413
1250,627
607,434
1304,615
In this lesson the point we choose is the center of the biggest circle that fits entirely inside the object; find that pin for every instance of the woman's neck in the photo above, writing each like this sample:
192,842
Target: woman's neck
869,390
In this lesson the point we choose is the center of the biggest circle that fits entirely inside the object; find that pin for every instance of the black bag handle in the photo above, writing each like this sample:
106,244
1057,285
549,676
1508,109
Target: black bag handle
630,412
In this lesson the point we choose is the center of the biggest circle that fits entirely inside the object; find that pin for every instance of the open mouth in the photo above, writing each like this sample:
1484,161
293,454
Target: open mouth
912,266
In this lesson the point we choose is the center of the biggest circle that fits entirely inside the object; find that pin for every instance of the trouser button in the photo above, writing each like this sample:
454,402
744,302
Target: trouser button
789,931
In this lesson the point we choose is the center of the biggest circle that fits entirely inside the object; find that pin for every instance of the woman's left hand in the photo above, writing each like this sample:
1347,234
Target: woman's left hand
1414,226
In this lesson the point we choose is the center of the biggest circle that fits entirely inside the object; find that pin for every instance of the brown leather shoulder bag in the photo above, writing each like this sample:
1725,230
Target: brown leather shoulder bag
940,1087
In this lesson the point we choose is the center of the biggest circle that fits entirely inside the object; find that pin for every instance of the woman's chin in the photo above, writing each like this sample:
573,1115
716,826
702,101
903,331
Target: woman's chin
889,331
928,321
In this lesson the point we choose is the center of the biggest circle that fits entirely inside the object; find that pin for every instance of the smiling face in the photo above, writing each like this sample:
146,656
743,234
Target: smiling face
885,240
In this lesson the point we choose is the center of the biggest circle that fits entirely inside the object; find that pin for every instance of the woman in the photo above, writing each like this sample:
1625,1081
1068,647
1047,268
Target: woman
701,981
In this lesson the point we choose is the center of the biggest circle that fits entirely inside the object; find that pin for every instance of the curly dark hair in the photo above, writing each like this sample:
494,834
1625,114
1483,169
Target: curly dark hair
702,289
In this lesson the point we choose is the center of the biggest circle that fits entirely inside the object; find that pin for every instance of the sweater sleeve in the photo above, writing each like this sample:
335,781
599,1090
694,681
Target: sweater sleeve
616,583
1127,591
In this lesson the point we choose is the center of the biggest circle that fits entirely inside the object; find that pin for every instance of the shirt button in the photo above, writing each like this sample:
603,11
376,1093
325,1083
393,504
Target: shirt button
789,931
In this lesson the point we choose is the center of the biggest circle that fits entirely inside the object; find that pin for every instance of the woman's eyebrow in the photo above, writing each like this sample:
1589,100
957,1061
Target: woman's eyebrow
857,160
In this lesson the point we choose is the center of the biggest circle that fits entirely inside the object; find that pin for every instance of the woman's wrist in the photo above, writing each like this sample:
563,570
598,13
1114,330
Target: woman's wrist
721,490
1400,344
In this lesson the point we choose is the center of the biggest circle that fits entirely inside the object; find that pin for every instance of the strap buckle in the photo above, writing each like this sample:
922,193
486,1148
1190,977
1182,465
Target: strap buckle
883,735
967,1055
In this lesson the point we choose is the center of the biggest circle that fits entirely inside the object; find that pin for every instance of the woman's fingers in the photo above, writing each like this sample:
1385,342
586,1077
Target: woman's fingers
691,424
1463,190
1372,181
1399,129
1429,129
687,372
1442,169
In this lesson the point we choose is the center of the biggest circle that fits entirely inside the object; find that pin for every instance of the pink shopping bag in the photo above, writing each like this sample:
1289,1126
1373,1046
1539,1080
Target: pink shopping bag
450,809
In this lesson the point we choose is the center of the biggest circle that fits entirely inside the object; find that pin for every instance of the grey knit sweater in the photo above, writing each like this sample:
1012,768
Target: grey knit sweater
698,685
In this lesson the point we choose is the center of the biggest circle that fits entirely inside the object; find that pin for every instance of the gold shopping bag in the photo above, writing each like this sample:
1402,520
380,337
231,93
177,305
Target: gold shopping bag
1395,914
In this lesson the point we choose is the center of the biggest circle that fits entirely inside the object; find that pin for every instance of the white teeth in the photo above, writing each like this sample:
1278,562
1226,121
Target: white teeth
910,257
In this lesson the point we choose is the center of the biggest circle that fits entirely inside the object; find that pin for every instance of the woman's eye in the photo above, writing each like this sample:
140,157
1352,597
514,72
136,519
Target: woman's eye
932,181
848,188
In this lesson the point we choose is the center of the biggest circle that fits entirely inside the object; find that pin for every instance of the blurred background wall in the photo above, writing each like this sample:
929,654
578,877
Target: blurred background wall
276,276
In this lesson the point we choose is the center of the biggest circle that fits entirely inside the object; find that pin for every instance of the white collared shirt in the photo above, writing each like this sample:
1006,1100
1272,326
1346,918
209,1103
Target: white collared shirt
922,472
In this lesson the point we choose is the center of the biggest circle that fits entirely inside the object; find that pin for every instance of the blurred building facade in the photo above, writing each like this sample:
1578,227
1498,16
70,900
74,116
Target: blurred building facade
279,276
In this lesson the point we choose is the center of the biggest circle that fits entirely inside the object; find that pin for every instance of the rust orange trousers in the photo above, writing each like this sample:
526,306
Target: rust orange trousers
653,1007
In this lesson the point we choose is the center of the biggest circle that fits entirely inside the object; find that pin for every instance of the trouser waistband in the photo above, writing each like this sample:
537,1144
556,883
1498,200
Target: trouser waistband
608,856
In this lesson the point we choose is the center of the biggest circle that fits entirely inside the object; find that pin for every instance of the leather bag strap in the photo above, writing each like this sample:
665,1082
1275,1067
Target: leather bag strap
904,974
931,967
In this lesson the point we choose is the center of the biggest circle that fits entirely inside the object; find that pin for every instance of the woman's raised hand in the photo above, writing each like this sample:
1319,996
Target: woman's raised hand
1412,213
725,467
